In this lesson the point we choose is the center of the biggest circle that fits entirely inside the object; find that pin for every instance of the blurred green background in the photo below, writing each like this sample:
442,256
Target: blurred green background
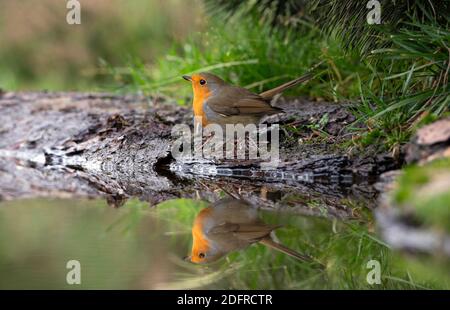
39,50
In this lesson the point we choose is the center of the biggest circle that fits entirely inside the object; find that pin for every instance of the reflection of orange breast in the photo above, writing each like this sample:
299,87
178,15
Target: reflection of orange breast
199,100
201,244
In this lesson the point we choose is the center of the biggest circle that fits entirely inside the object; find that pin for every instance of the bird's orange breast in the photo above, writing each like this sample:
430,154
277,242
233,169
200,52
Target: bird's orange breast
200,96
200,243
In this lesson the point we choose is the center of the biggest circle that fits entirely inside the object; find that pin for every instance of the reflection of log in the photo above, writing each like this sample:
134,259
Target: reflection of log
72,144
400,233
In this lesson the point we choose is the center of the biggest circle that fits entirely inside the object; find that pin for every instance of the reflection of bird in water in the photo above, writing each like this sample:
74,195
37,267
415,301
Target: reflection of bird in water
230,225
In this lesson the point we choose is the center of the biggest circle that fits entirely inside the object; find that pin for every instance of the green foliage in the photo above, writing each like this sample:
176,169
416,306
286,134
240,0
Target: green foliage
408,80
425,192
276,13
347,19
418,72
255,57
408,58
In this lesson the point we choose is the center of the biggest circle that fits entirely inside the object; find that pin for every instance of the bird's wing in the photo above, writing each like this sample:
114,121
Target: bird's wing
224,228
244,232
239,101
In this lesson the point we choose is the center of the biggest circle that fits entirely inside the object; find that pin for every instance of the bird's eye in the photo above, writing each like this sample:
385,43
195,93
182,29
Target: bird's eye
202,82
201,255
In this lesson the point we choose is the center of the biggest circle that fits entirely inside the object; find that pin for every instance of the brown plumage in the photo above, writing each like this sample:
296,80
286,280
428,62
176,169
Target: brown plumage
230,225
217,101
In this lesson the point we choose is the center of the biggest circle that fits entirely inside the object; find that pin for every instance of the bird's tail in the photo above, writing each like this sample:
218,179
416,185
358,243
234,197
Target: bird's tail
269,94
279,247
283,249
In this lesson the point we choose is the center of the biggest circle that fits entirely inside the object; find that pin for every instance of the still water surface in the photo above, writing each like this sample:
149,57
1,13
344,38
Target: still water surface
142,247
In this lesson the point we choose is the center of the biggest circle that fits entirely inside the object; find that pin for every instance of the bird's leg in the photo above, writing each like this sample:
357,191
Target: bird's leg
205,140
252,145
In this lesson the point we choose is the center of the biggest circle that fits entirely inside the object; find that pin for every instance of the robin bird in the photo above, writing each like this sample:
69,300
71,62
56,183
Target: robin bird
230,225
219,102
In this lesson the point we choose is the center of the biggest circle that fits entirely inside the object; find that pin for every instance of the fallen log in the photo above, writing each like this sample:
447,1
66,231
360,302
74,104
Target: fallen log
117,147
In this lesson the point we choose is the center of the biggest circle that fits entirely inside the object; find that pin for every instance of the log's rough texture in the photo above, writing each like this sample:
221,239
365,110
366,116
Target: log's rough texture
83,144
101,145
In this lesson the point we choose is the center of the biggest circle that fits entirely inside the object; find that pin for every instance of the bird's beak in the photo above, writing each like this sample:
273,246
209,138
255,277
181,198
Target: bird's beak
187,78
187,258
